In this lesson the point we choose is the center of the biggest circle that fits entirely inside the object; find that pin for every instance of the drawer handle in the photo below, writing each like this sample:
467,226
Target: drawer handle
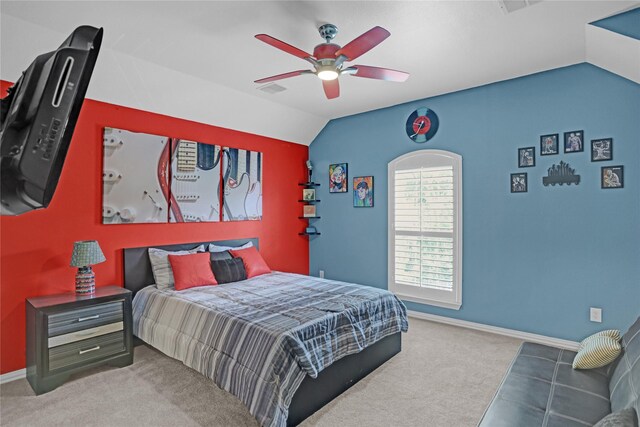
89,350
82,319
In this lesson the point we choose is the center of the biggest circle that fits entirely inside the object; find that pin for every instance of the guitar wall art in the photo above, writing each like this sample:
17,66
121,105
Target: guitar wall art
242,174
158,179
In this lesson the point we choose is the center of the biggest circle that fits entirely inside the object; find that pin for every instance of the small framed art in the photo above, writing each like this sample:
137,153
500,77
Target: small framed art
309,211
518,182
549,144
612,177
363,192
574,141
338,178
526,157
309,194
601,149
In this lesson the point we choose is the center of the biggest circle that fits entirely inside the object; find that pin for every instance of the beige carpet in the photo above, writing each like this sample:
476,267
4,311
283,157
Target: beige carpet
444,376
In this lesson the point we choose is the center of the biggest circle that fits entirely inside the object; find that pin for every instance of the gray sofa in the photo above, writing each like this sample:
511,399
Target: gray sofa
541,389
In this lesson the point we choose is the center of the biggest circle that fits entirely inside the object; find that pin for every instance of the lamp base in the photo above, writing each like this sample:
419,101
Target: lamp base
85,281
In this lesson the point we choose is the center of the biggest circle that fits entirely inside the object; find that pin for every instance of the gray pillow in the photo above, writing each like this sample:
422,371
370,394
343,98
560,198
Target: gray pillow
229,270
625,418
217,256
161,267
216,248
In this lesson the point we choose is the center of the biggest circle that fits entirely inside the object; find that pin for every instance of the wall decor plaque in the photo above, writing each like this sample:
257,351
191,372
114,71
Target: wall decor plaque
561,174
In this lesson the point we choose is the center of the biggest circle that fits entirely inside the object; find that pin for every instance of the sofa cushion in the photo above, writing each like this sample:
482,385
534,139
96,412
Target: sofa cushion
624,386
541,389
625,418
611,333
596,352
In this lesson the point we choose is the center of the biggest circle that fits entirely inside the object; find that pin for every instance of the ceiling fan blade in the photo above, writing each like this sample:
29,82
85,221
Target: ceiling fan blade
283,76
380,73
364,43
331,88
283,46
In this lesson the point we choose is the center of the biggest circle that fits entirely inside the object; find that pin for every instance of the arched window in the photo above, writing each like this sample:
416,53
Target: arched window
425,227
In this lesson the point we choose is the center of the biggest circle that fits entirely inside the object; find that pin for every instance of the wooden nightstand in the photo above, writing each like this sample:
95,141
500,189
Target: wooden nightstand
69,333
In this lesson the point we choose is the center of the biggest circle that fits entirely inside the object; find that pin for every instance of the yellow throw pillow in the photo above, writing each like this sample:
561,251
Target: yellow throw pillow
611,333
597,351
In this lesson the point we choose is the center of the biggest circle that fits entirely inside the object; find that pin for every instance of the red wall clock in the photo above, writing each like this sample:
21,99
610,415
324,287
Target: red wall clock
422,125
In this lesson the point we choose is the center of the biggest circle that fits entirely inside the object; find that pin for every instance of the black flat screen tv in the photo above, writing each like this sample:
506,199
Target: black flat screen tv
37,119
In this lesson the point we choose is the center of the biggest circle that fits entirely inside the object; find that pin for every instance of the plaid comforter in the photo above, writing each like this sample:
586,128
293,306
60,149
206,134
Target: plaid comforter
260,337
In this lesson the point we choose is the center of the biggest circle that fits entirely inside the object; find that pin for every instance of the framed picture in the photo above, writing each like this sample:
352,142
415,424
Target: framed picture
363,192
518,182
612,177
309,211
309,194
526,157
549,144
338,178
601,149
574,141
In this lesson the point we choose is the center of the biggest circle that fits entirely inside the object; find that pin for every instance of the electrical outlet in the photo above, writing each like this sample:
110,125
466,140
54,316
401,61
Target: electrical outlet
322,274
595,314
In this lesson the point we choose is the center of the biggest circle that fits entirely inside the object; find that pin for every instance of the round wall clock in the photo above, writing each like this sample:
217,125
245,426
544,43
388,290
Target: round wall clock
422,125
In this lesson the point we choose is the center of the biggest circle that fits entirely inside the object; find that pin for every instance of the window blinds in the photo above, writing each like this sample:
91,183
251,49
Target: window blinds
424,226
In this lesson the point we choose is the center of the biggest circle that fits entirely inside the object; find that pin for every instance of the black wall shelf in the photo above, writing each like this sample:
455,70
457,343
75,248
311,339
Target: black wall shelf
309,184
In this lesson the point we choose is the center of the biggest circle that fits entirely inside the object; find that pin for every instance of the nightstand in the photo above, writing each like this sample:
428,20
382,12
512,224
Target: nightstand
69,333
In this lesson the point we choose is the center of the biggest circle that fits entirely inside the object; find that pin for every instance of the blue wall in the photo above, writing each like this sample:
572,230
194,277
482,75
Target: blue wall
627,23
534,262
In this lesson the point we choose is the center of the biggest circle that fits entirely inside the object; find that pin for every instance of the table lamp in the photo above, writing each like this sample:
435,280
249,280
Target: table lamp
85,254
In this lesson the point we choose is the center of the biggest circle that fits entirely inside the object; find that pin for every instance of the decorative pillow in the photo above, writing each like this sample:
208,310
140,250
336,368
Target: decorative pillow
253,262
625,418
162,269
611,333
216,248
229,270
597,352
217,256
192,270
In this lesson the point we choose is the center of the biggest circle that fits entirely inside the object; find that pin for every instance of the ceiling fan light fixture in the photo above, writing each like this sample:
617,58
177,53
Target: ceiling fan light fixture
328,58
327,74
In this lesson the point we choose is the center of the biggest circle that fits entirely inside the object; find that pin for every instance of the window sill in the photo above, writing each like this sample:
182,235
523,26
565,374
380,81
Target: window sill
443,304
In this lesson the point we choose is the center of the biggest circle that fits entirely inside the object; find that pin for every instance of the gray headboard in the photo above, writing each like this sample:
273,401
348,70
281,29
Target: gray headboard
137,267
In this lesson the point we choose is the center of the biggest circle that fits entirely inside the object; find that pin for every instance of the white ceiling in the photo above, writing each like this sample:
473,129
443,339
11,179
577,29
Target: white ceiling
445,45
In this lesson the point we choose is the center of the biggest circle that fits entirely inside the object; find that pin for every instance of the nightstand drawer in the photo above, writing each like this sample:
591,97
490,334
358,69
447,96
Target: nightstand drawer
84,334
85,351
84,318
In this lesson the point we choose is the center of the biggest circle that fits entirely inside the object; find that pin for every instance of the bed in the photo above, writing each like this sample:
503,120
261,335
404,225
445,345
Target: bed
284,344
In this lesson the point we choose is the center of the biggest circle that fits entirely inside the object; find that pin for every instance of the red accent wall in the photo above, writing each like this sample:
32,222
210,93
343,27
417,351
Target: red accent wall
35,247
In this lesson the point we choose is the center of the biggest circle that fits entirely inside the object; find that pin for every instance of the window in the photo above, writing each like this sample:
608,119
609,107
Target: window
425,227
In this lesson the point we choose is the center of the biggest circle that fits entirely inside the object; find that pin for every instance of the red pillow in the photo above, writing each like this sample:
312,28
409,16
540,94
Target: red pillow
192,270
252,260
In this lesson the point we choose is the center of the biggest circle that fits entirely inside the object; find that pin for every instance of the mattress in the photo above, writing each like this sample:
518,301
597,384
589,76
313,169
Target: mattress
259,338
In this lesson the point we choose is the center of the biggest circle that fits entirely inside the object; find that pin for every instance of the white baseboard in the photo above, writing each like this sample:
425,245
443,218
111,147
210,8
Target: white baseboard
526,336
13,375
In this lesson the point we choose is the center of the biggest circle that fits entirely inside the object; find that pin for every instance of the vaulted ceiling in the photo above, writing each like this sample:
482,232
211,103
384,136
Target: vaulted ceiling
198,60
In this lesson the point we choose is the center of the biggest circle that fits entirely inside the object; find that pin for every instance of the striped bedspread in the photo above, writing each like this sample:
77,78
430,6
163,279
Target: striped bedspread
260,337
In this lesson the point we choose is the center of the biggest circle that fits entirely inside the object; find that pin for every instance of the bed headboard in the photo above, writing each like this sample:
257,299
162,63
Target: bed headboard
137,267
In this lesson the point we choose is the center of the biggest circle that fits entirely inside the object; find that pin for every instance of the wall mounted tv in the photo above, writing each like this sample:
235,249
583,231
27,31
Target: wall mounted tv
37,119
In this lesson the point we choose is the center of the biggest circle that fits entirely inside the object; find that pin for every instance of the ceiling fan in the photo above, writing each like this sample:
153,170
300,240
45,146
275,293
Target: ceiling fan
328,59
